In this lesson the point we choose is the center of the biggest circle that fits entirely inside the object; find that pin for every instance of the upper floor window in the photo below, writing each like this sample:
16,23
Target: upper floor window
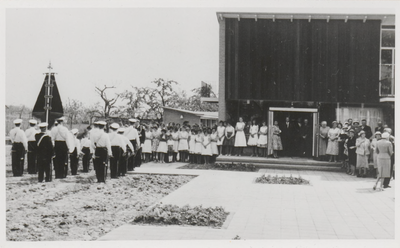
387,62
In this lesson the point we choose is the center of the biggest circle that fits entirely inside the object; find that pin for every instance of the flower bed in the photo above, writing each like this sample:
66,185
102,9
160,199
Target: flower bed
281,180
221,166
186,215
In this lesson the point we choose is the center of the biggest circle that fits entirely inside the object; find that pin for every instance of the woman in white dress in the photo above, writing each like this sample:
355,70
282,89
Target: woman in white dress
162,147
183,146
214,148
253,137
240,137
333,145
221,136
147,144
206,152
262,142
199,141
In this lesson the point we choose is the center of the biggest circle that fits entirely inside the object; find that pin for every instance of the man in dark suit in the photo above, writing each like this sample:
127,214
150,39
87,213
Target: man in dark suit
44,153
366,129
379,128
286,136
305,143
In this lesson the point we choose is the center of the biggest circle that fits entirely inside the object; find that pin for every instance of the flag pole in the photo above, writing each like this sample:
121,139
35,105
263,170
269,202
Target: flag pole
47,95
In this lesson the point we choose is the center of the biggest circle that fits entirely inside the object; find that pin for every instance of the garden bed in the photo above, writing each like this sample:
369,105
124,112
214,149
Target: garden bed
186,215
77,208
282,180
222,166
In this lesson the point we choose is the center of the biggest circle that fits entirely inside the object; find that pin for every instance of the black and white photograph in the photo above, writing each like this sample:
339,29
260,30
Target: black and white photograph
239,125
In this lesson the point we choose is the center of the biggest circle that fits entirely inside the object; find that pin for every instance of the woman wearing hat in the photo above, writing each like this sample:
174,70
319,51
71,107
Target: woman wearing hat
333,145
378,136
350,146
362,151
384,150
323,139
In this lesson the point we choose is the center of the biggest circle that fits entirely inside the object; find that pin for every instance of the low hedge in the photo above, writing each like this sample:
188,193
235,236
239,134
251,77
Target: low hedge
186,215
222,166
281,180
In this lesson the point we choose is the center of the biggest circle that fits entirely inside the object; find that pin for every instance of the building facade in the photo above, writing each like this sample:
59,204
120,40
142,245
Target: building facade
322,67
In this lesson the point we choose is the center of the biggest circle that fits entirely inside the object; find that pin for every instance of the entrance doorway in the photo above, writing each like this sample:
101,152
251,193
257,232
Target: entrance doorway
295,114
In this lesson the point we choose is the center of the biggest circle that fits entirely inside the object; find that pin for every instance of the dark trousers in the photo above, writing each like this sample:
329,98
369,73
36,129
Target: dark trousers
61,159
44,167
86,159
122,168
100,164
114,161
32,168
131,160
74,160
17,159
138,158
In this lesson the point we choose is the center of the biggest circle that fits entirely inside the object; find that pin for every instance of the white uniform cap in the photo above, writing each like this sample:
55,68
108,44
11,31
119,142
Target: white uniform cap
121,130
103,123
74,131
43,124
114,126
61,119
132,120
33,121
17,121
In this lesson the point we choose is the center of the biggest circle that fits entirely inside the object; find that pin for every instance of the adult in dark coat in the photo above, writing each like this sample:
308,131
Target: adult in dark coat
379,128
350,144
305,139
44,153
366,129
287,137
142,137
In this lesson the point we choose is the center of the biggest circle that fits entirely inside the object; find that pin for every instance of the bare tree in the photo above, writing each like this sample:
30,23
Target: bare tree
164,89
108,103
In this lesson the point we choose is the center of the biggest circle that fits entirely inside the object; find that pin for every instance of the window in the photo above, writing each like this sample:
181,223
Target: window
387,62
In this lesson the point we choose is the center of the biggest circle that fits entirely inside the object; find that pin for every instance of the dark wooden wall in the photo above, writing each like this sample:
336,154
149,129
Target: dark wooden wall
302,61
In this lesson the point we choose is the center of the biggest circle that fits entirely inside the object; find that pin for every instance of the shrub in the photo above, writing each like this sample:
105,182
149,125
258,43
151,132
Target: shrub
281,180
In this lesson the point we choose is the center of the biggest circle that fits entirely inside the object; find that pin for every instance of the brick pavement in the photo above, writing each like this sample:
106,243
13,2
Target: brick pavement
334,206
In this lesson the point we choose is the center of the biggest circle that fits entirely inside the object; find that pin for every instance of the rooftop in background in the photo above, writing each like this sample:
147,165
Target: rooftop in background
201,114
387,19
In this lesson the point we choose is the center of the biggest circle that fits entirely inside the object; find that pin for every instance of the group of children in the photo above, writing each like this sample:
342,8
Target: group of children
181,144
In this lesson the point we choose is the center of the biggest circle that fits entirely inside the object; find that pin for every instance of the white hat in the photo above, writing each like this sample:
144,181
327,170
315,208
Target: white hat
61,119
33,121
385,135
132,120
74,131
114,125
103,123
121,130
43,124
17,121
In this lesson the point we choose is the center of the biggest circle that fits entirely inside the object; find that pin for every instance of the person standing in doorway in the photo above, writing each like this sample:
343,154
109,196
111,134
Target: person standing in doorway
305,139
276,139
323,140
287,140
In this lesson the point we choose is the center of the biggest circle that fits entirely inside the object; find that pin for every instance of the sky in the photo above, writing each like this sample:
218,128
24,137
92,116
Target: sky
123,47
113,47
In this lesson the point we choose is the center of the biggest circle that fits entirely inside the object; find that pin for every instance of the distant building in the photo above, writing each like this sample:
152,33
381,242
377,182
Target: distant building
322,67
193,117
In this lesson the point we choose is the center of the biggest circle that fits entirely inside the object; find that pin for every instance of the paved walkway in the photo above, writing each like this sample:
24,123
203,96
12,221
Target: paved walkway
334,206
